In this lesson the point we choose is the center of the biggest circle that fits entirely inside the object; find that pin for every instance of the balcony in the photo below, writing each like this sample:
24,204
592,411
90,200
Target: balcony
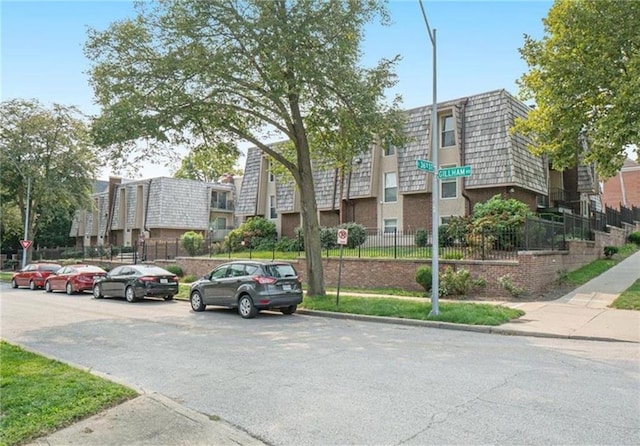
222,205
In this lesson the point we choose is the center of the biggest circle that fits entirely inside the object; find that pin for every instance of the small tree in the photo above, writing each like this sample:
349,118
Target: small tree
192,242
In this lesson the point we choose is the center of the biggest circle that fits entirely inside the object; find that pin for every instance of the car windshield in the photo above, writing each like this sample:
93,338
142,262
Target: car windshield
280,270
50,267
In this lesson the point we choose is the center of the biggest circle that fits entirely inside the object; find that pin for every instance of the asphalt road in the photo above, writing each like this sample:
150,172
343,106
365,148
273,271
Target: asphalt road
310,380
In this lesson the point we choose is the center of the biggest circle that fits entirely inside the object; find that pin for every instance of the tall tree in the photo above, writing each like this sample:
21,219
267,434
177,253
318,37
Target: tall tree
208,163
215,71
584,76
52,149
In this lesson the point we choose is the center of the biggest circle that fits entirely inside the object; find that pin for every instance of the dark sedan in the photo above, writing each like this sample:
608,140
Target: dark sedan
33,275
135,282
73,278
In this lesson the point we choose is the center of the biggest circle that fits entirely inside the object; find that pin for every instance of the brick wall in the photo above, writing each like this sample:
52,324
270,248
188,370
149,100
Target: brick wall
365,212
288,224
416,211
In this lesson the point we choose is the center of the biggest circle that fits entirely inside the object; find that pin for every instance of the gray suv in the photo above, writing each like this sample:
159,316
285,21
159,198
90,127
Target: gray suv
250,286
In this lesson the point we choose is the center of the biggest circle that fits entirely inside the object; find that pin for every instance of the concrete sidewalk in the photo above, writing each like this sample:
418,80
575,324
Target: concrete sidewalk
152,419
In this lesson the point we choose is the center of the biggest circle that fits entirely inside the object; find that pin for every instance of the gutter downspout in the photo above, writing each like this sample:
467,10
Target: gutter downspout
463,149
146,206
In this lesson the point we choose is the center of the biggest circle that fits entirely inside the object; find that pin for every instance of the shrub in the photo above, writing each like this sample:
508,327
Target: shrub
610,251
329,238
286,244
452,255
357,234
192,242
422,238
507,283
175,269
188,278
424,278
256,233
455,283
71,254
634,237
454,232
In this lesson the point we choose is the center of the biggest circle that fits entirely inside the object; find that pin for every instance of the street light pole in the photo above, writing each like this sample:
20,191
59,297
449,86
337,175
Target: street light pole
435,192
26,222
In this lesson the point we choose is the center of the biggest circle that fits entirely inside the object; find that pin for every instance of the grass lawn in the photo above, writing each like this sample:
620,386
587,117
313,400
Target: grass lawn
5,276
597,267
630,299
458,313
40,395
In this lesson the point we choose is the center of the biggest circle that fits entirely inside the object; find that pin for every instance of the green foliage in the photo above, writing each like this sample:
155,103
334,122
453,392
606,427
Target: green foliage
11,226
634,237
208,163
72,254
52,147
175,269
629,299
192,242
286,244
422,238
357,234
455,282
610,251
189,278
454,232
452,255
40,395
507,283
583,103
257,233
329,237
498,222
424,277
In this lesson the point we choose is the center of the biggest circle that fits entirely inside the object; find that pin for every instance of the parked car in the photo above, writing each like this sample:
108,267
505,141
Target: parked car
33,275
73,278
249,286
134,282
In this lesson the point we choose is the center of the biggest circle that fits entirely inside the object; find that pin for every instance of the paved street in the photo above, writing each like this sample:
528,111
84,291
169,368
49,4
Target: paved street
312,380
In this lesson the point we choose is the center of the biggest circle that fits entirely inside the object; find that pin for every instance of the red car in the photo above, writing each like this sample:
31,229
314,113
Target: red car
73,278
33,275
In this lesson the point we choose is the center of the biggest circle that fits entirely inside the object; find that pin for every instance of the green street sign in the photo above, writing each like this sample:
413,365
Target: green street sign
454,172
425,165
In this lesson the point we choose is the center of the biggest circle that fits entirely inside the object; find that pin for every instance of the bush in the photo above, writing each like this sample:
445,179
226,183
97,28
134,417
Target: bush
256,233
357,234
71,254
452,255
189,278
455,283
507,283
610,251
175,269
286,244
424,278
454,232
329,238
192,242
422,238
634,237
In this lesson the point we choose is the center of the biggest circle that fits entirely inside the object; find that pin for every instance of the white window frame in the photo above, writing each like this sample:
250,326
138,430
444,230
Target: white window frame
389,150
272,177
444,131
273,214
389,225
450,181
389,186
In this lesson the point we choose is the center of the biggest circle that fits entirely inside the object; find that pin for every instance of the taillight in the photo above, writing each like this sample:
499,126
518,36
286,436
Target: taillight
175,279
146,279
262,280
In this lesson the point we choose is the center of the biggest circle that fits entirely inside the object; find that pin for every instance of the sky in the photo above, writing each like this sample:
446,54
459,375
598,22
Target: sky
41,49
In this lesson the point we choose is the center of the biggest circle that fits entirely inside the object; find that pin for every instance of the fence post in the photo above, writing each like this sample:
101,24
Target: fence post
395,243
482,243
177,241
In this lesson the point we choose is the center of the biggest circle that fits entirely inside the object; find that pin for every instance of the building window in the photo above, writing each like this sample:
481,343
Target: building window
272,177
447,133
272,207
449,188
390,225
390,187
445,220
219,200
389,150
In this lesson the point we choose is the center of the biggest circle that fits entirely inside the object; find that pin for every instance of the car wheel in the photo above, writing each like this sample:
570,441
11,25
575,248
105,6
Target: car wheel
32,285
97,291
14,284
196,301
130,295
246,308
47,287
69,288
289,310
169,297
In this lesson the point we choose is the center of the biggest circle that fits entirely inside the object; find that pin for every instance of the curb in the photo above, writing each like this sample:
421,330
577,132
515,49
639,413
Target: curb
451,326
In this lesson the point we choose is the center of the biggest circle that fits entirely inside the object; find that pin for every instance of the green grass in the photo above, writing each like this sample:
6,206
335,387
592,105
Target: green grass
5,276
183,291
382,291
630,299
597,267
40,395
458,313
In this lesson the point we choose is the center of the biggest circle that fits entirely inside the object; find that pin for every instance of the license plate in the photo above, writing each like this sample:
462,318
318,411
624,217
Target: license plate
96,277
164,280
286,287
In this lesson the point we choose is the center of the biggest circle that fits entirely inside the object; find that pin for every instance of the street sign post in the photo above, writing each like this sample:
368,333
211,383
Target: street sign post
425,165
343,238
454,172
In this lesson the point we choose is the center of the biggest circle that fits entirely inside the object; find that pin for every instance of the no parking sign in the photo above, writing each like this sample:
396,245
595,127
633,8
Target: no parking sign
343,236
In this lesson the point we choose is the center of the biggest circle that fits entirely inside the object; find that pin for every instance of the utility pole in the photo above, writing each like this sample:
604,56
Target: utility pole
435,189
26,222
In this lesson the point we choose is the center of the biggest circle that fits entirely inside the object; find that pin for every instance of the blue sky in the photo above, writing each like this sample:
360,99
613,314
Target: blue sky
42,47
